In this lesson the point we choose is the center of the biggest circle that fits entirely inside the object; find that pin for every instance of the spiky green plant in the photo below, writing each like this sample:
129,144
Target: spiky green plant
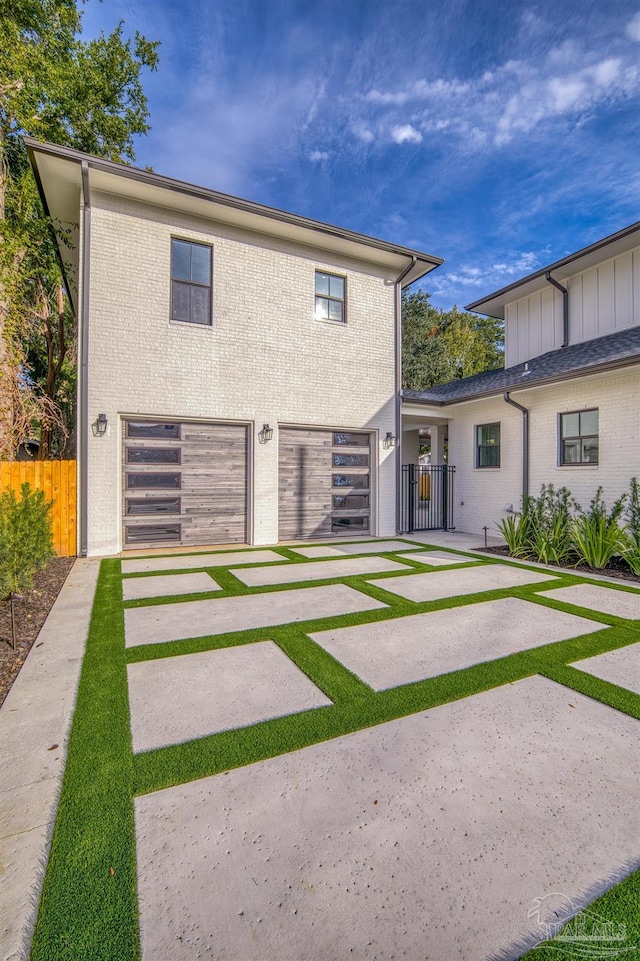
597,535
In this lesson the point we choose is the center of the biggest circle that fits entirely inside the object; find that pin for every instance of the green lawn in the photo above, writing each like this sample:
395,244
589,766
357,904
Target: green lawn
89,907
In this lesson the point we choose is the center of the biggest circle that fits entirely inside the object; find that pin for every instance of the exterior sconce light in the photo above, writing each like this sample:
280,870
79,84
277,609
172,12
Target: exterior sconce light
99,426
389,441
265,435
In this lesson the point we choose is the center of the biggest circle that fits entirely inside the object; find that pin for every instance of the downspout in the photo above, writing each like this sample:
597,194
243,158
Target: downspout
83,385
525,444
565,307
398,385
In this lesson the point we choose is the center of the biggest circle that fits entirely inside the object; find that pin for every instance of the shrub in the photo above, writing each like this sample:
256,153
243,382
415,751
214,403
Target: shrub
516,530
550,517
631,550
25,538
597,536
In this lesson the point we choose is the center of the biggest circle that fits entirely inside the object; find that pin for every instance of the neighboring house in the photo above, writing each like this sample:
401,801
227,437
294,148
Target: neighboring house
566,408
238,365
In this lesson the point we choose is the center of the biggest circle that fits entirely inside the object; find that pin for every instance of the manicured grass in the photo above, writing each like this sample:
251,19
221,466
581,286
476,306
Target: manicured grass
89,907
619,907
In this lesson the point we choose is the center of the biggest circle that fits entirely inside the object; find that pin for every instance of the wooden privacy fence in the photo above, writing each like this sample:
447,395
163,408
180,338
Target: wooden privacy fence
57,478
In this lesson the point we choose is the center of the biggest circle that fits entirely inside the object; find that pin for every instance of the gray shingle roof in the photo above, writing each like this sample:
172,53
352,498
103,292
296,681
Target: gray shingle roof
612,350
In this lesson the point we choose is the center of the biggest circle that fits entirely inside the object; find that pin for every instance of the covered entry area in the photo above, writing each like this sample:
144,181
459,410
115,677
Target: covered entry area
426,485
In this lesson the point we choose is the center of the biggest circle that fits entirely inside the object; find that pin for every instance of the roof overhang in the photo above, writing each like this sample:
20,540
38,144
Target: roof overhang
58,172
619,243
432,404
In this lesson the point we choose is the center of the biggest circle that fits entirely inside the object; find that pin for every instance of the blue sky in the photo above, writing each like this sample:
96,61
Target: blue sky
498,136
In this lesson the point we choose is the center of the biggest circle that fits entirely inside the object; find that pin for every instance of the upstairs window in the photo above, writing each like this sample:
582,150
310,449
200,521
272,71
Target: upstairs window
190,282
578,440
330,297
488,445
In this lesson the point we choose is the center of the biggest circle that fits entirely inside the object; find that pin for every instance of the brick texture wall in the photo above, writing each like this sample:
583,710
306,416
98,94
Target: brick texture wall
264,359
481,496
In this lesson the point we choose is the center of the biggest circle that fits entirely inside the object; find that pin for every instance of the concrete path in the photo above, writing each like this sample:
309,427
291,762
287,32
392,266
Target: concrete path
390,653
173,622
621,667
428,837
34,726
181,698
434,836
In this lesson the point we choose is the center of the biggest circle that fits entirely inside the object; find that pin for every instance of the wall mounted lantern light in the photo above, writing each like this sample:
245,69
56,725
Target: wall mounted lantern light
99,426
389,441
265,435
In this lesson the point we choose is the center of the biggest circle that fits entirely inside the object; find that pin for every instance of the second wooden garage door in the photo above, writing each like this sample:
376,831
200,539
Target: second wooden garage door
324,483
184,483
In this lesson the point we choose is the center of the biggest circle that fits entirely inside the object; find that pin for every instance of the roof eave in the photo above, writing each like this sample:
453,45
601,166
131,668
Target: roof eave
542,382
493,304
423,262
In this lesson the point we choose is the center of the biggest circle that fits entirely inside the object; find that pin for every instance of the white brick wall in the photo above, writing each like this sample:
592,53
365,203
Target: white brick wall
265,359
480,496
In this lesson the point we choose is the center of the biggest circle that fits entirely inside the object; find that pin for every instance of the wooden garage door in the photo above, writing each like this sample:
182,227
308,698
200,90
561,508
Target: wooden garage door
324,483
184,483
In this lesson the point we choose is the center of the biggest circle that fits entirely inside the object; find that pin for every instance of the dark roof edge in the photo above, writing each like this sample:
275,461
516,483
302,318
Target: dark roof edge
543,382
592,248
203,193
45,206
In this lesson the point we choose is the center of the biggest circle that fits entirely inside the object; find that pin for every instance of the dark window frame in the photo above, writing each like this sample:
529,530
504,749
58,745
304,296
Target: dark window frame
482,448
580,437
336,300
191,284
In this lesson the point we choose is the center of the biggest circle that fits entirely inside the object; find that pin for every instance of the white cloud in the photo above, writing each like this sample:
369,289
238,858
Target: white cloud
633,28
317,156
405,134
363,132
567,84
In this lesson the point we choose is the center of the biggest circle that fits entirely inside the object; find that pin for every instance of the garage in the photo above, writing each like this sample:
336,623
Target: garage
184,483
325,483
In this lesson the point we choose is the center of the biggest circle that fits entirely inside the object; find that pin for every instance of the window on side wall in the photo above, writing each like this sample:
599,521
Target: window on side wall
578,437
190,282
330,297
488,445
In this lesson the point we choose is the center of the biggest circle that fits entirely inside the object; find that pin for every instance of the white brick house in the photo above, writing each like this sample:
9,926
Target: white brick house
202,319
572,361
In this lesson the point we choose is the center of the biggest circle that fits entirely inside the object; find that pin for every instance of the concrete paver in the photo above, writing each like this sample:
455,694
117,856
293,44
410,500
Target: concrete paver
621,667
175,562
438,558
347,567
163,585
604,599
181,698
172,622
342,550
469,580
426,837
387,653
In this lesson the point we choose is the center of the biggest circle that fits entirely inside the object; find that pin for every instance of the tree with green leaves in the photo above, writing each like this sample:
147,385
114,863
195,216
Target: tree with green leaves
443,345
56,87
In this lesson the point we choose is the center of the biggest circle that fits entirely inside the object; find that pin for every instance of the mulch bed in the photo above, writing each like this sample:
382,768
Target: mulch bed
615,568
30,614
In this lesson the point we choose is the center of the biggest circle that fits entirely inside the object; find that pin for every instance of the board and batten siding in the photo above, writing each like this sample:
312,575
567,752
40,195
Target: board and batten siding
602,300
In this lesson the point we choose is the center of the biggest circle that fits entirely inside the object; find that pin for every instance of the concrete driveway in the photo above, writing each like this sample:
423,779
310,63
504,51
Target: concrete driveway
466,830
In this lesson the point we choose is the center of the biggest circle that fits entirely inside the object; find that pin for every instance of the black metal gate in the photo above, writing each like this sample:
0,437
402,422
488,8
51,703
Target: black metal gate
426,498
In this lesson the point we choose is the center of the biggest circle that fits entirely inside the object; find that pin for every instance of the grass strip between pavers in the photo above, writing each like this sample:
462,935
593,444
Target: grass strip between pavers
585,937
89,913
88,910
